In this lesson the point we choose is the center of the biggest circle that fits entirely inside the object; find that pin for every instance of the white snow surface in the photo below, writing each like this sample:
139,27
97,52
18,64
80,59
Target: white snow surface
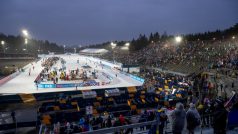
23,83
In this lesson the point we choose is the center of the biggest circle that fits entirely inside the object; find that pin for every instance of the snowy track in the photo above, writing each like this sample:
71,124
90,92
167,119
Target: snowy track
23,83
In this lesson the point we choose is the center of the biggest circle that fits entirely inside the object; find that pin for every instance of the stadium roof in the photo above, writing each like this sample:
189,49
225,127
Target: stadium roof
94,51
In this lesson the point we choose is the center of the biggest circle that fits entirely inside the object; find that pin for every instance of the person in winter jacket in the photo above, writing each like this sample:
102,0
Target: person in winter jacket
163,119
178,118
219,117
193,118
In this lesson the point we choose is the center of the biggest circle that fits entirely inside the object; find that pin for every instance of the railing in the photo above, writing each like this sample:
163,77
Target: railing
110,129
119,128
17,124
134,77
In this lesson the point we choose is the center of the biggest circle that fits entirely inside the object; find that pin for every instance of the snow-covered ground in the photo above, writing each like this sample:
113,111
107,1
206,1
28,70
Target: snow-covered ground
23,83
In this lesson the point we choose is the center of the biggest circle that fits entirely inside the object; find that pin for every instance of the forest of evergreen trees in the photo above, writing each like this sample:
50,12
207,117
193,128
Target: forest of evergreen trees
142,41
15,44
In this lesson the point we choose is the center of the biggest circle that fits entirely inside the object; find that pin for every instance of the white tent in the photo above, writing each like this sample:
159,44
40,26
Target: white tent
93,51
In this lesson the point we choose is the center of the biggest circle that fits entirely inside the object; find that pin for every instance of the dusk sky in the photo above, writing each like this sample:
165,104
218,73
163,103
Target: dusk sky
83,22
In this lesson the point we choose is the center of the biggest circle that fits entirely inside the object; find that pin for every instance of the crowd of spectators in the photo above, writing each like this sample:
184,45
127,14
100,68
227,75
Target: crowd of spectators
194,54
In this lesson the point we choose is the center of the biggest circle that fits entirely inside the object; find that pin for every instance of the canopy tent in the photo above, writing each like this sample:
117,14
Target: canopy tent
93,51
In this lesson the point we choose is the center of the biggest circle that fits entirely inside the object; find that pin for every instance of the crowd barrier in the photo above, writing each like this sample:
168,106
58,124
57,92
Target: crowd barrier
9,77
7,99
83,84
134,77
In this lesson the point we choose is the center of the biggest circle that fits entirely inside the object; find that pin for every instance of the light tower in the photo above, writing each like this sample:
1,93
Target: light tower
26,35
113,45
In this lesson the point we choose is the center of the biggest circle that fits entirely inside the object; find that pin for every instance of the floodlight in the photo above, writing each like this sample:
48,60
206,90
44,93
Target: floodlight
127,44
178,39
25,32
113,45
2,42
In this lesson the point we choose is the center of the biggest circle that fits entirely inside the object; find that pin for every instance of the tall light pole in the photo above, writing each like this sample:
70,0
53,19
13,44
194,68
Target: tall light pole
113,45
25,34
127,46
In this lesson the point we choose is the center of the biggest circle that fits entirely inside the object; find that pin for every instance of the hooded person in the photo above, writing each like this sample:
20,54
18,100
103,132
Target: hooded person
178,118
219,117
193,118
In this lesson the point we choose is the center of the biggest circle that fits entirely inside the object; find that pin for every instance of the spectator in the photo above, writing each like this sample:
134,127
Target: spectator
163,119
13,116
100,121
116,123
81,121
68,129
193,118
220,117
122,119
151,117
206,114
129,130
178,119
143,118
221,87
109,121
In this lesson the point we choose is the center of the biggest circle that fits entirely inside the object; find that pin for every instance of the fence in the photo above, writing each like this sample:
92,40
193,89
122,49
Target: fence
83,84
9,77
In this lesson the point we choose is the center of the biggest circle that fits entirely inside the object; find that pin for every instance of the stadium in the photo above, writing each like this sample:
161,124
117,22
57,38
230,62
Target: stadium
157,83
